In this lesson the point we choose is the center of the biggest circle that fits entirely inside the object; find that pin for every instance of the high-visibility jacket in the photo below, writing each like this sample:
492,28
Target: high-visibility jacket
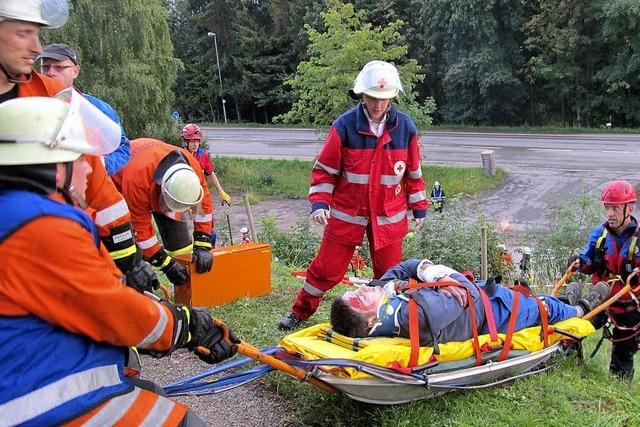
142,194
106,204
66,321
608,255
369,180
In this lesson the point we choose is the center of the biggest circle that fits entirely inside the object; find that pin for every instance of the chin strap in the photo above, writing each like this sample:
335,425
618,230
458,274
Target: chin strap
13,78
69,192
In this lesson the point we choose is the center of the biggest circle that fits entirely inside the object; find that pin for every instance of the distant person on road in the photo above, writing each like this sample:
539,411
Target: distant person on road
191,137
365,178
437,197
610,256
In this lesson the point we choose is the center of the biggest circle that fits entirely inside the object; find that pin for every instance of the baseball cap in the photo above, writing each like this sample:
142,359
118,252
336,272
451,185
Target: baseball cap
59,52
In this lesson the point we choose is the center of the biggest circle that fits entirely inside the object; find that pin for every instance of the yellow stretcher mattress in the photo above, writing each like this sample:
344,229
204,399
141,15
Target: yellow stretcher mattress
320,342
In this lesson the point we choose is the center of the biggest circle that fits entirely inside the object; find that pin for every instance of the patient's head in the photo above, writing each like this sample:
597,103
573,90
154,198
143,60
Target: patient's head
355,312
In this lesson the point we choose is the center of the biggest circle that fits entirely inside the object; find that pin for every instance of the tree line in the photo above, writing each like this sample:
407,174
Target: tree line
495,62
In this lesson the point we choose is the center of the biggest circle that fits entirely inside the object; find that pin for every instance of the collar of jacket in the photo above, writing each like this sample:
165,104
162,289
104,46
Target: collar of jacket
362,123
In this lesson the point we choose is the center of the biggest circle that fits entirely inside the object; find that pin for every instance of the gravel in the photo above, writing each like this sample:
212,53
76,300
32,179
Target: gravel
255,404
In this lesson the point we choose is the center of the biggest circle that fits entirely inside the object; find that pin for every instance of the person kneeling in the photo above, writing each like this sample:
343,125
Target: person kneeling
382,308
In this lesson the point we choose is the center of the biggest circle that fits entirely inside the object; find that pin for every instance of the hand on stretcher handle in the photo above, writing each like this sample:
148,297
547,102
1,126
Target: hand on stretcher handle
254,353
626,288
570,270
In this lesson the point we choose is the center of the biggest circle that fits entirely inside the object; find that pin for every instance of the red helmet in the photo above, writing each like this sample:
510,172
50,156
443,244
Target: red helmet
618,193
191,131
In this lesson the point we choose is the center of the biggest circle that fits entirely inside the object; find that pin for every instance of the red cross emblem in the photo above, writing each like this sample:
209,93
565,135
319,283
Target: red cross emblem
399,169
381,82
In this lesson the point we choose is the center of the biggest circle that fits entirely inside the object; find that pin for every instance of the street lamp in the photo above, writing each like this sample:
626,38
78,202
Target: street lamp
224,108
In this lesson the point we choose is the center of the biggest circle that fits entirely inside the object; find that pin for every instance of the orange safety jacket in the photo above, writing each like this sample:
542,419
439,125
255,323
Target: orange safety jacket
56,273
142,194
105,204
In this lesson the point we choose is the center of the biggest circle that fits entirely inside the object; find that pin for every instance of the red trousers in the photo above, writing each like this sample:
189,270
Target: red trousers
329,267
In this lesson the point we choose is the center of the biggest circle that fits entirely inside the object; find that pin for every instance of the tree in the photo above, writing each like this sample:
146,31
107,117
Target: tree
126,57
474,47
336,55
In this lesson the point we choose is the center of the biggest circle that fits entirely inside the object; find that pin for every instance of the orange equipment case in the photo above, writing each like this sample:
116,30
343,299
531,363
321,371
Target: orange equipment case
238,271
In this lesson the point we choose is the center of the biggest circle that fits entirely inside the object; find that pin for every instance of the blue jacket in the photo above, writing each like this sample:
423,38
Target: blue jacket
53,373
448,320
116,160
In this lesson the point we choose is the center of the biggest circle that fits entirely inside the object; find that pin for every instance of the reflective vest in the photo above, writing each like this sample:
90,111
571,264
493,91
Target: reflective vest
51,375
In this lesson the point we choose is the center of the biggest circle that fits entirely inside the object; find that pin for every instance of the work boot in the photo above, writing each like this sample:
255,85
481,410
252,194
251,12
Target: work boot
595,297
288,322
573,293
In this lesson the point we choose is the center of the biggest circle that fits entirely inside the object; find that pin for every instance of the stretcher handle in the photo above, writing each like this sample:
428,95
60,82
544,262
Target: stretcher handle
166,293
248,350
626,288
570,270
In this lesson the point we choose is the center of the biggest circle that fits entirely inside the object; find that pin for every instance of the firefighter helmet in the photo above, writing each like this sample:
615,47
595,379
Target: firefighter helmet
48,13
618,192
181,188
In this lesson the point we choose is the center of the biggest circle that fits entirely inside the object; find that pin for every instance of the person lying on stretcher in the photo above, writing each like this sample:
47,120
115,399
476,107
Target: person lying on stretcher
382,307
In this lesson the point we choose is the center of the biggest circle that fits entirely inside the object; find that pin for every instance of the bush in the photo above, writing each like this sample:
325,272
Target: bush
295,248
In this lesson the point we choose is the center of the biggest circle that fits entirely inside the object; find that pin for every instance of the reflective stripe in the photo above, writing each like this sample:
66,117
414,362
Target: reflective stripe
312,289
47,398
158,330
149,243
415,174
356,178
203,218
202,244
418,196
386,220
390,179
159,413
321,188
112,213
123,253
114,410
359,220
167,260
181,251
319,165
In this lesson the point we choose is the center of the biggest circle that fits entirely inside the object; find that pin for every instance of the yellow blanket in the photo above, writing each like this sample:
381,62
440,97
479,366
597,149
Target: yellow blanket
320,342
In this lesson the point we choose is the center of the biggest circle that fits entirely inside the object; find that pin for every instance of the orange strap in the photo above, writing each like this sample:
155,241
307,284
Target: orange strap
488,313
510,327
544,316
414,333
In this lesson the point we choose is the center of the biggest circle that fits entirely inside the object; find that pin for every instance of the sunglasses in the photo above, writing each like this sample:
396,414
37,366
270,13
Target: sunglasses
57,68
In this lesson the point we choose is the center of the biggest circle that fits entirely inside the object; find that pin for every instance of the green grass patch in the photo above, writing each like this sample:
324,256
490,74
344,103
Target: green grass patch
290,178
574,393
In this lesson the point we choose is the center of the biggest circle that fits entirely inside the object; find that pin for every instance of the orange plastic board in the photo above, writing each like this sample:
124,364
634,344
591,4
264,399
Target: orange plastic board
238,271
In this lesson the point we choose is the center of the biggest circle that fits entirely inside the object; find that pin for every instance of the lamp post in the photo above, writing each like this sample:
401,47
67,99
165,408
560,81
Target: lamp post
224,107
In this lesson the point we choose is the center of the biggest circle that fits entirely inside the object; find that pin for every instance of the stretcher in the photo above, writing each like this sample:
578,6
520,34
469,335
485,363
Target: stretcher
374,370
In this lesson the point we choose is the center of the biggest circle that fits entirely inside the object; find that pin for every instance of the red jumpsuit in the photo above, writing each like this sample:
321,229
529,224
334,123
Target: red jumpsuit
142,194
368,183
105,204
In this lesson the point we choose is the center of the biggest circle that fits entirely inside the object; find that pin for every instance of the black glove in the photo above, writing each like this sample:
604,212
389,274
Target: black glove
204,333
202,256
175,272
573,259
142,277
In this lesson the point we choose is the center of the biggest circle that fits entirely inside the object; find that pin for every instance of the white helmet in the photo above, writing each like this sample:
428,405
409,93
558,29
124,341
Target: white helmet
181,188
40,130
378,79
49,13
436,184
526,250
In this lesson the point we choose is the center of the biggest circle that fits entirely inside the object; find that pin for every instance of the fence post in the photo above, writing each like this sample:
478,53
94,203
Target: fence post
252,227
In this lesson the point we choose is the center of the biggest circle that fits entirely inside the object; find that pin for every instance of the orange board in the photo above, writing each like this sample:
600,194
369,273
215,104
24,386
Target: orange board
238,271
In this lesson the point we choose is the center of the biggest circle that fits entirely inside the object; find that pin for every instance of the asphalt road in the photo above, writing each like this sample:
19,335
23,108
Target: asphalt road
544,169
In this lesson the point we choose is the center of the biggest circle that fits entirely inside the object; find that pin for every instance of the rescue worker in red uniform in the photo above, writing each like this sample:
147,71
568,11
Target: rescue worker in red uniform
161,181
609,256
20,23
191,138
66,318
364,179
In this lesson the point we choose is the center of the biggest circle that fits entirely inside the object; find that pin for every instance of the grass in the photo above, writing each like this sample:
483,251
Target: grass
290,178
571,394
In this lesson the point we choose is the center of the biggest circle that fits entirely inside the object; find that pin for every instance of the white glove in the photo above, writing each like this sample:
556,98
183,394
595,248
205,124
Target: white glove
321,216
418,222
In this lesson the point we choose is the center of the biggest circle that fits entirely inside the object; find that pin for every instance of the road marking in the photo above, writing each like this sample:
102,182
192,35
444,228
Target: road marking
550,149
479,147
617,152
